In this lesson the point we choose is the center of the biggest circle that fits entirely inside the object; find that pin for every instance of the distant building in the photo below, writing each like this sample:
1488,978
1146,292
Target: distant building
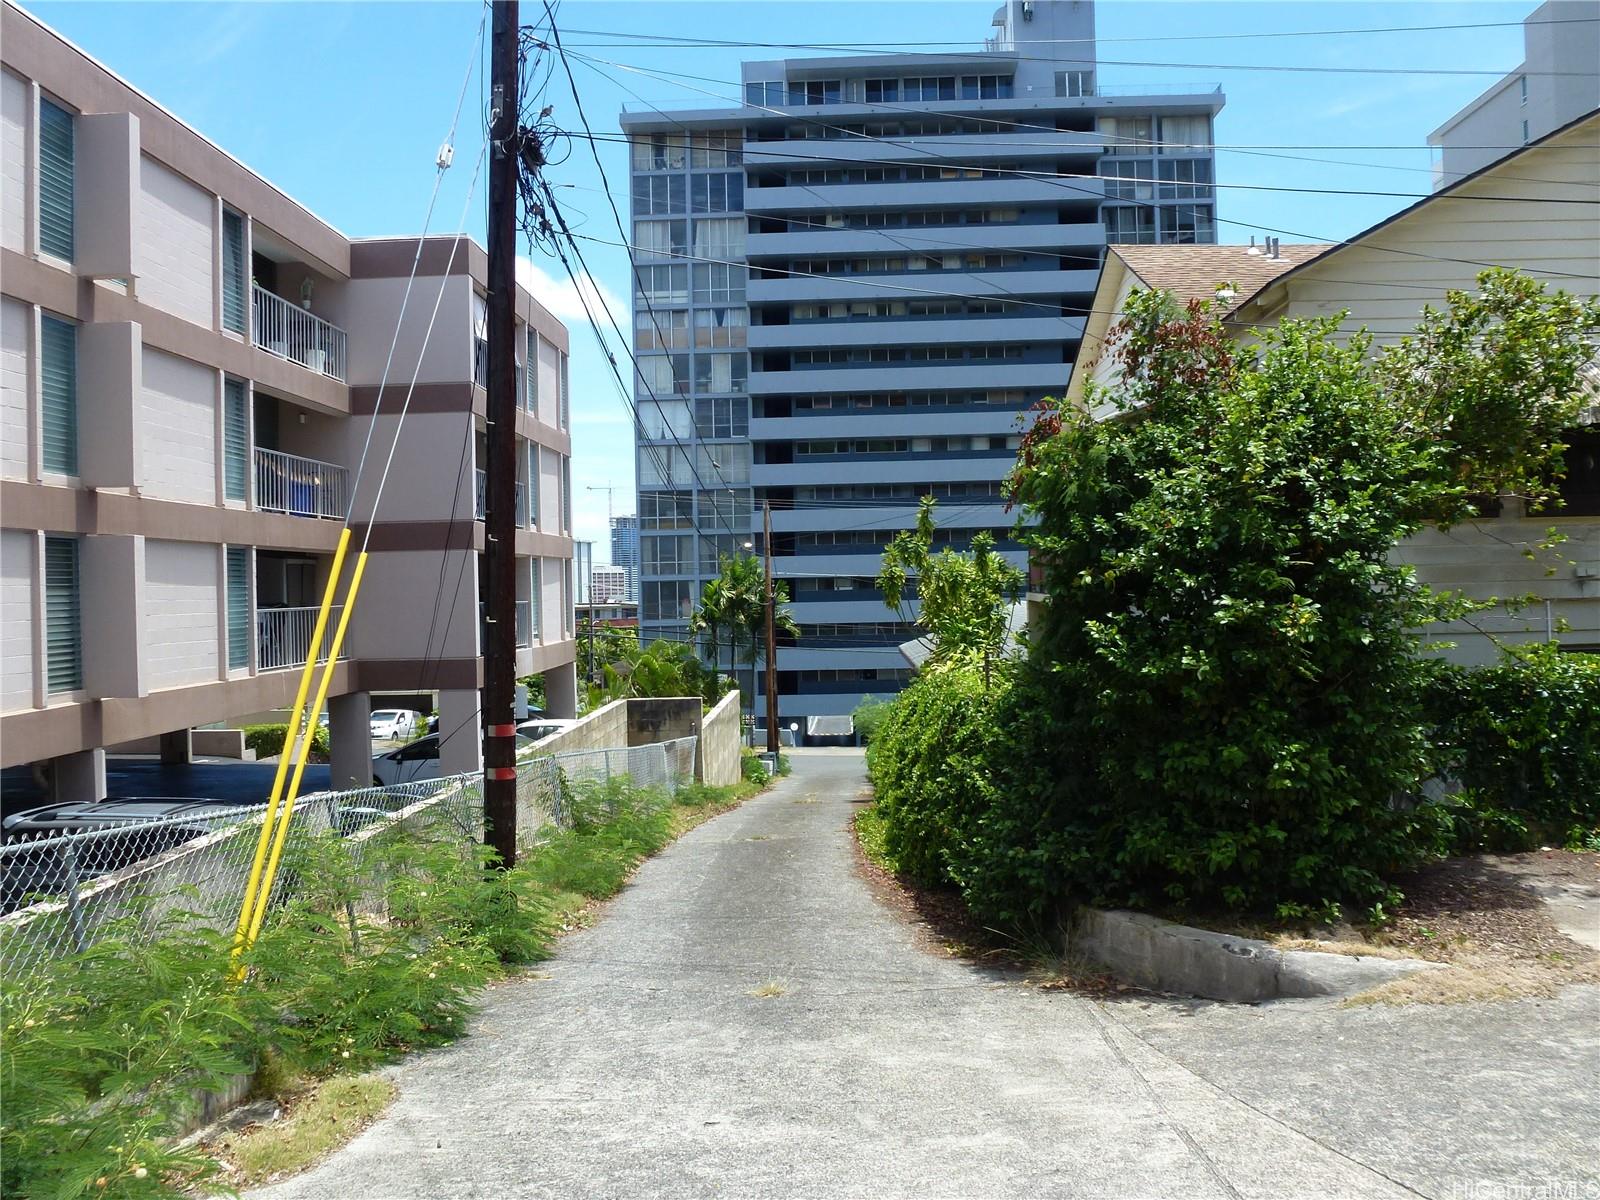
608,585
1381,278
1556,83
851,283
625,551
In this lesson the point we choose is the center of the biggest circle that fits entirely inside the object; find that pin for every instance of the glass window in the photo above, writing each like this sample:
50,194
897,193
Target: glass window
662,285
233,271
1126,135
666,421
1183,135
1128,225
661,329
63,625
1186,223
666,600
727,510
714,548
659,152
1185,178
720,327
58,394
664,239
716,193
235,439
663,465
719,238
719,283
664,374
658,195
716,148
666,510
56,179
1129,179
239,641
720,373
671,555
722,417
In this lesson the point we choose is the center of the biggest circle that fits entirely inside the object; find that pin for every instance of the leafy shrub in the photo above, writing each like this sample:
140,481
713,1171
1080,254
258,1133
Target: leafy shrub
267,741
1522,739
753,769
869,717
931,769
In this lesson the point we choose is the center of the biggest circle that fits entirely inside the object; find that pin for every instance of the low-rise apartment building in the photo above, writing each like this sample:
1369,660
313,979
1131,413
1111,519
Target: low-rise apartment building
191,365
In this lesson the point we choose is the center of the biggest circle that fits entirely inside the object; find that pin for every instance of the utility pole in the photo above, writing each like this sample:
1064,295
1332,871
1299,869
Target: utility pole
499,539
772,633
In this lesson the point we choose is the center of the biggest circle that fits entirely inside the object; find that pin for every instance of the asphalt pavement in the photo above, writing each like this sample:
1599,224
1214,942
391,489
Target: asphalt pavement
224,779
747,1020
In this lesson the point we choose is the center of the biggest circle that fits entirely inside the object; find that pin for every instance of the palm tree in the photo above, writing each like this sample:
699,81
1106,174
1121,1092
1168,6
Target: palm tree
710,618
746,586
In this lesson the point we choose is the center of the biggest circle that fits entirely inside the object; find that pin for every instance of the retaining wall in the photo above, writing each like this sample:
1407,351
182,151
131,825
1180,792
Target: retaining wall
717,755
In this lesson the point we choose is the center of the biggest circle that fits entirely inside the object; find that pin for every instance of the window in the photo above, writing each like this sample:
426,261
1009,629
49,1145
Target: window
1184,178
566,394
532,360
235,439
666,510
665,239
986,87
722,417
661,329
1182,135
1524,133
664,374
1130,226
929,88
719,283
233,271
659,152
724,463
814,91
662,285
720,327
716,193
665,600
716,148
765,93
880,90
566,495
714,548
1074,83
1129,179
666,420
58,394
659,465
726,510
719,237
62,624
1188,223
55,180
1522,89
658,195
720,372
238,566
1126,135
672,555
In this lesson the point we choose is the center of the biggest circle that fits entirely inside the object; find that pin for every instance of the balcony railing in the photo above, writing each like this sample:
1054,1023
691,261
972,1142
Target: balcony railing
301,487
481,507
290,332
283,636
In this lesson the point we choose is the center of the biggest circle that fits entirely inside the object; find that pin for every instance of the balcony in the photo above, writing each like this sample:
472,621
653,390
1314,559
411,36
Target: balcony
283,636
481,505
301,487
289,331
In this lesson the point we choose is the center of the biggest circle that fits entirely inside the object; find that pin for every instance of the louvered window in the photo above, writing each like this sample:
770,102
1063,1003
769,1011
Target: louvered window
58,392
565,401
62,626
238,607
55,180
235,440
233,277
531,358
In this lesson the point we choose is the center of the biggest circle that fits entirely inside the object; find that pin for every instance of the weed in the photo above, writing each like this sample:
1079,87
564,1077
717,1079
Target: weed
320,1123
770,990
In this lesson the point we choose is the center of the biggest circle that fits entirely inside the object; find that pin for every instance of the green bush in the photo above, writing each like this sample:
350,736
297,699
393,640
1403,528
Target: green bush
931,769
1522,740
869,717
267,741
753,769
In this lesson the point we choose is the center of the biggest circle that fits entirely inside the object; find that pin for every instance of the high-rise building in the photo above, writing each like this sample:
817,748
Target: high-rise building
190,369
851,284
625,552
1557,82
610,585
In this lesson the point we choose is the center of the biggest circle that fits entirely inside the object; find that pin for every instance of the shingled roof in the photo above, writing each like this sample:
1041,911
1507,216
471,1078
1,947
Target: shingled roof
1194,272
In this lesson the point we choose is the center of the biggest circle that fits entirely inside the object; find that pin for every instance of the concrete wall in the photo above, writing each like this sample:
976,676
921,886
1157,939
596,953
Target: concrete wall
16,619
719,747
180,613
15,104
663,720
173,252
177,429
16,322
603,729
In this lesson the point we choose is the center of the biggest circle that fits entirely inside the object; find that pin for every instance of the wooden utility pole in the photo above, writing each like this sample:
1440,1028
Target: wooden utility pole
499,526
772,633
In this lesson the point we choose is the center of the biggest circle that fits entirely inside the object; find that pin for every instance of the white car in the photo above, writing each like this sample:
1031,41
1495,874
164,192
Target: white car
539,728
391,724
420,759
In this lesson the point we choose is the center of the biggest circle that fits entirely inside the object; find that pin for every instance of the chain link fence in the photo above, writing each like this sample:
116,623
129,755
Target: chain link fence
58,891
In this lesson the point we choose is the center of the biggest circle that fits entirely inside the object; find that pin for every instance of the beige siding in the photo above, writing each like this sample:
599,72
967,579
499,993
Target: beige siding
15,319
180,613
177,430
552,577
549,490
16,619
549,382
14,103
173,251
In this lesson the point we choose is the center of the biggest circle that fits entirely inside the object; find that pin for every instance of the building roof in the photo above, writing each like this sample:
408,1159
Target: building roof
1194,272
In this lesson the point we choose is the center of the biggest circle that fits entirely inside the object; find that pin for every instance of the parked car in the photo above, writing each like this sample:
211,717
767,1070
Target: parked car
391,724
36,865
433,721
411,762
538,729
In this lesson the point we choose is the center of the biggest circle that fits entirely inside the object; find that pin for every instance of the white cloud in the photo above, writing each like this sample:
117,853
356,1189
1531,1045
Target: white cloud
565,301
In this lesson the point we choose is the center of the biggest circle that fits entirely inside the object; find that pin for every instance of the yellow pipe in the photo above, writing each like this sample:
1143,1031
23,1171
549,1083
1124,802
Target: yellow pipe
265,891
269,818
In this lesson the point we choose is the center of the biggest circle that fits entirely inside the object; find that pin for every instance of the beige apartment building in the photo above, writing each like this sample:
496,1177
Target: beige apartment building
189,371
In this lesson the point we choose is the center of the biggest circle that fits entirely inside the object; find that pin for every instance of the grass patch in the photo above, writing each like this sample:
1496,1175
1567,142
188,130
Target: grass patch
319,1123
872,831
1473,976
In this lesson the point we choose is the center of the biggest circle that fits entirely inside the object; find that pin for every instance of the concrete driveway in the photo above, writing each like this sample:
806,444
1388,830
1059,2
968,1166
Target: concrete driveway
645,1061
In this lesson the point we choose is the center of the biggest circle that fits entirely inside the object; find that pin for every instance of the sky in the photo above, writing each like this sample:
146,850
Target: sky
344,106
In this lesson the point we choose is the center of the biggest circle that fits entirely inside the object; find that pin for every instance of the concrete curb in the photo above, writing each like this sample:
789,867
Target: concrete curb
1167,957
